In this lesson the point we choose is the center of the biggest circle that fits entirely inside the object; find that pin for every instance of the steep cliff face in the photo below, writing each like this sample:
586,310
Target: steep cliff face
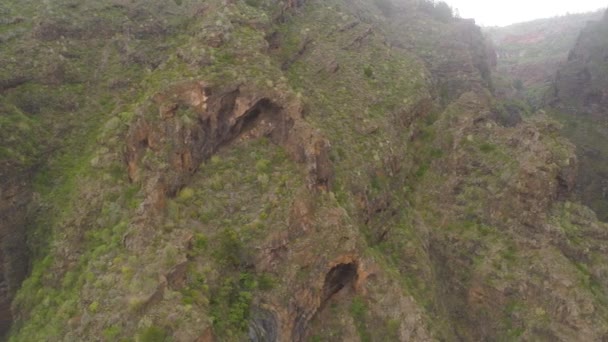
530,53
64,67
579,99
582,82
289,171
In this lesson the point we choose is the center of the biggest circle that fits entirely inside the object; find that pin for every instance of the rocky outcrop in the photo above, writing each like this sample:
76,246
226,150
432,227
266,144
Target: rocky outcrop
477,291
194,120
301,314
581,83
184,126
580,99
468,66
530,53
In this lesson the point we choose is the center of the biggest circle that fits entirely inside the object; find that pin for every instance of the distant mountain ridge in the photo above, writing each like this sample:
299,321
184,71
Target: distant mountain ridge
530,52
579,97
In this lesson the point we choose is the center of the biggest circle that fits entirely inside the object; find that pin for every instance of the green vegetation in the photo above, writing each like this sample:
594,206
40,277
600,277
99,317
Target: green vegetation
152,334
230,304
230,250
111,333
358,310
486,147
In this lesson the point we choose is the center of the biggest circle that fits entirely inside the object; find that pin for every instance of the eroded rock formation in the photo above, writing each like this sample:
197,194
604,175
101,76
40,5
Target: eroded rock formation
195,120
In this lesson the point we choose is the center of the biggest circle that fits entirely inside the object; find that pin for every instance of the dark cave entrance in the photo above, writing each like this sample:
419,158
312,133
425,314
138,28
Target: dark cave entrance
339,277
339,284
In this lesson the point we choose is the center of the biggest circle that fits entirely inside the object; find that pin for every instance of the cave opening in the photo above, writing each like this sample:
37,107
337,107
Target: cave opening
337,278
340,277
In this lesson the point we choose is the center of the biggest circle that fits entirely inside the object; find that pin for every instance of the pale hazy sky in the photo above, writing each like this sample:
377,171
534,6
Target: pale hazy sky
505,12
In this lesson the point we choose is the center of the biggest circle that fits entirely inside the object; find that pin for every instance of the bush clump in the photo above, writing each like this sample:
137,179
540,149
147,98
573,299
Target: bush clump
152,334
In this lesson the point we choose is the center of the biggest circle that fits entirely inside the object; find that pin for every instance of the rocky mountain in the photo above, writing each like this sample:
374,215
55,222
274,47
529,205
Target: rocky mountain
581,83
579,98
568,58
280,170
529,53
